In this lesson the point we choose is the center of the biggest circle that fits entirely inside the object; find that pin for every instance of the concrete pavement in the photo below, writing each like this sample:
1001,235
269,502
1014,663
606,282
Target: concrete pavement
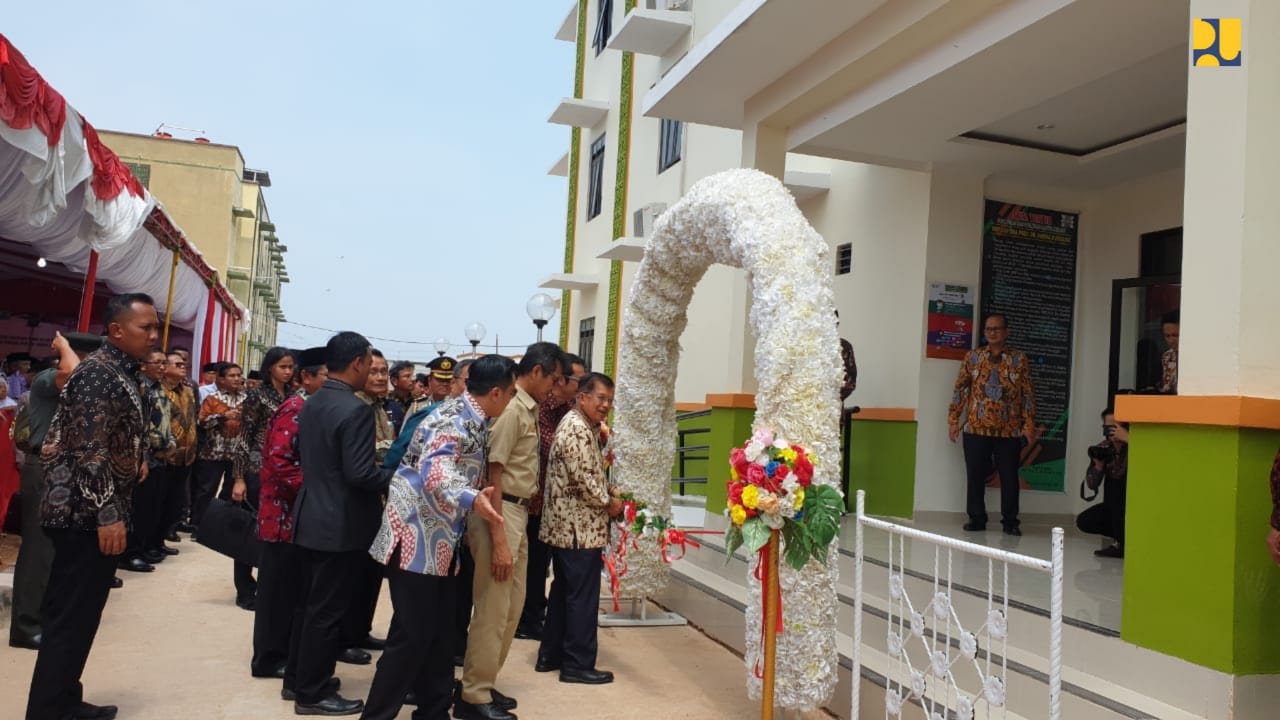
174,645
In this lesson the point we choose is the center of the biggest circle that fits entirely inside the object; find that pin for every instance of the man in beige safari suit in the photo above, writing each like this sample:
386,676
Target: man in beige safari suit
501,550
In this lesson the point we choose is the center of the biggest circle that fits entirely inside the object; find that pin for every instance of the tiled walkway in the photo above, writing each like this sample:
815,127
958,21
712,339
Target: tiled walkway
173,645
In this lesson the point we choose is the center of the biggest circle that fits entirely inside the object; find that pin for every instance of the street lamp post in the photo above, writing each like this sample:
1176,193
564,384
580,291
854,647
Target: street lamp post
541,308
442,346
475,333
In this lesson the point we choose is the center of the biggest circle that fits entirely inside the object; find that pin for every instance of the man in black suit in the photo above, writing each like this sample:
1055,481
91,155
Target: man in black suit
338,513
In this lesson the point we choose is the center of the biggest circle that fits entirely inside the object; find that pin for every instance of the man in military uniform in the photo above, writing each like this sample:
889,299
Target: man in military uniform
439,380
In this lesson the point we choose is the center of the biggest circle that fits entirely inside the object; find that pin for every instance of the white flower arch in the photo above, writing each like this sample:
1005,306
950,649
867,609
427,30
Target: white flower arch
745,219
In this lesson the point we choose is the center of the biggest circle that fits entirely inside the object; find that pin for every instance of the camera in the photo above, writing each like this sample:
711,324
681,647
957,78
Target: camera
1103,453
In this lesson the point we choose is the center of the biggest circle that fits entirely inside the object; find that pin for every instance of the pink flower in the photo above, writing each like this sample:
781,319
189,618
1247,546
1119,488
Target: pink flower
755,475
738,460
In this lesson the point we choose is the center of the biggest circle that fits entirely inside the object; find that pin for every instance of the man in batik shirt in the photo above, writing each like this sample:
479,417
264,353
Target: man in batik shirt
994,407
430,495
181,393
220,418
279,571
93,455
148,498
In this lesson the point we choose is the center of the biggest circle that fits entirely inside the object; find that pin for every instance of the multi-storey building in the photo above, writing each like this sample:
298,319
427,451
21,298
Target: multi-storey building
220,205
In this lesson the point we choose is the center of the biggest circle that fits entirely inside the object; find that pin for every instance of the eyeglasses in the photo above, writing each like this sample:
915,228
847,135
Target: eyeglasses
1108,429
602,399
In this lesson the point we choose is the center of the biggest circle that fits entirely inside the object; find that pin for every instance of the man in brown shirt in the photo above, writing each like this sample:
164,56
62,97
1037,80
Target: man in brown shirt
501,550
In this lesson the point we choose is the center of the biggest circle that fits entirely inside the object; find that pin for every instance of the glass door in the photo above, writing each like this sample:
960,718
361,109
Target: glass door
1137,337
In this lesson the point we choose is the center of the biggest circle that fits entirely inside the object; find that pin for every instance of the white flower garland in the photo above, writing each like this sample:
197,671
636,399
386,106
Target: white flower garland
745,219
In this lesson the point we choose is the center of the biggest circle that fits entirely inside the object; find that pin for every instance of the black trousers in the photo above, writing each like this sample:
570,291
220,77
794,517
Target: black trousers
419,654
177,499
569,636
314,649
31,576
358,623
278,608
1107,517
535,587
242,573
78,587
981,454
148,511
208,476
463,594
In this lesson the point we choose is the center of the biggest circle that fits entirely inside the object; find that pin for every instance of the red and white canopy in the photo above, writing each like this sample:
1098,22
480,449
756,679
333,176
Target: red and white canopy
66,194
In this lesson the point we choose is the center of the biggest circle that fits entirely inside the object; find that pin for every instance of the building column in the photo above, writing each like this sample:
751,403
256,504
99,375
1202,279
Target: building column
1199,583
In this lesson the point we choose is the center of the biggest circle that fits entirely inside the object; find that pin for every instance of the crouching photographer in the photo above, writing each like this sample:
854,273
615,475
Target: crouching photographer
1108,469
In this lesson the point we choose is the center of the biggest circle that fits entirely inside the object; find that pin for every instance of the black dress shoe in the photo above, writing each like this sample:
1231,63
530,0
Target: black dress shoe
116,583
173,536
545,666
136,564
463,710
248,602
185,527
1014,531
586,677
506,702
168,551
333,705
32,643
411,699
974,527
1114,551
369,642
276,672
355,656
528,633
155,557
330,687
89,711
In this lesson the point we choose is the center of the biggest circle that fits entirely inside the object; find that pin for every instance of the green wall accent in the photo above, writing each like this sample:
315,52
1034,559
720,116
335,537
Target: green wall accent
575,143
882,461
619,206
730,427
692,467
1199,583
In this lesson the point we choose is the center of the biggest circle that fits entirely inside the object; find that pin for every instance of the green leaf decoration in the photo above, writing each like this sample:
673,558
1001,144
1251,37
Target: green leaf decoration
819,552
732,541
755,534
796,539
822,506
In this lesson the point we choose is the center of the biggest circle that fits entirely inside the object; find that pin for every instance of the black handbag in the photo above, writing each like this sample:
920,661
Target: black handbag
232,530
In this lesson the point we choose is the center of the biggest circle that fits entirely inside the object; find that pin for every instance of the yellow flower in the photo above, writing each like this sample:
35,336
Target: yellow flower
750,496
787,454
798,502
737,514
733,474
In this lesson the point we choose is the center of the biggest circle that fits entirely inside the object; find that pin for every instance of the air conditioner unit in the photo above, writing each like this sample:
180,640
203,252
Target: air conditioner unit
686,5
643,219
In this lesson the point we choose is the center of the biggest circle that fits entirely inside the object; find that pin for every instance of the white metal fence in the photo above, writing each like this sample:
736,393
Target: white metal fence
927,644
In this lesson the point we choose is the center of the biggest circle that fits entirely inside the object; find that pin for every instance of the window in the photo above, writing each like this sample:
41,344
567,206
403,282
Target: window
595,185
142,172
604,25
669,148
586,339
844,258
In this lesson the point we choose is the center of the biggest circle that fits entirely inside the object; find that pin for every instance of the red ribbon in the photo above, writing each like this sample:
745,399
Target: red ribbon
762,574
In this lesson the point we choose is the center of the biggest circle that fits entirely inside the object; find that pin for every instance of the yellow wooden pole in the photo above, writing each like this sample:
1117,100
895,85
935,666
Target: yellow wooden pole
168,306
770,627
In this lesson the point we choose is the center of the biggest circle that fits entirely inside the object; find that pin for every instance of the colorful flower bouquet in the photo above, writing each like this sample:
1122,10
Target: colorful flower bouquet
771,488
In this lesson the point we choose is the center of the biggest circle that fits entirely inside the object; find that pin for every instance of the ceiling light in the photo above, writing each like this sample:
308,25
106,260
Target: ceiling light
41,262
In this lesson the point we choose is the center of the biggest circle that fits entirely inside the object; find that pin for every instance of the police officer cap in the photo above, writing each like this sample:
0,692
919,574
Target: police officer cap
442,367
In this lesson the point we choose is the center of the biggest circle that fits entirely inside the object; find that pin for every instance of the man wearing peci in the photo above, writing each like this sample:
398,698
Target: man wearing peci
338,513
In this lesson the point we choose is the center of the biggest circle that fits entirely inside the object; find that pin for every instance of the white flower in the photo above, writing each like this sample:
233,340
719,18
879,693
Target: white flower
968,644
941,606
893,703
754,450
774,520
917,624
964,708
917,684
938,664
745,219
993,691
895,586
997,624
895,645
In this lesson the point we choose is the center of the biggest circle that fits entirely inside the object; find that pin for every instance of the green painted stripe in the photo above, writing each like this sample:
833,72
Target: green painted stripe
575,142
619,207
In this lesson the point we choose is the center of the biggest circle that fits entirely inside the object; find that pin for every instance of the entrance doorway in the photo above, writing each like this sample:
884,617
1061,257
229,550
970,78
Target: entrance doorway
1137,308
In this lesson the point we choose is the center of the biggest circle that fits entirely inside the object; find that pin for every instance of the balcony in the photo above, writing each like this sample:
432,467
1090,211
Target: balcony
651,32
570,281
626,249
805,185
579,113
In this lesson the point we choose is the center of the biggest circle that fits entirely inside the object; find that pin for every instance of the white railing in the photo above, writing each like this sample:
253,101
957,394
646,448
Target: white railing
931,682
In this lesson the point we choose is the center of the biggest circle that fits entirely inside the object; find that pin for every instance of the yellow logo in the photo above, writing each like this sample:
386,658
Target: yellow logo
1216,42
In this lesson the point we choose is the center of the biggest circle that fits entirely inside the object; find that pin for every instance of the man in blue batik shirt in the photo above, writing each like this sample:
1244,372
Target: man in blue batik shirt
437,483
